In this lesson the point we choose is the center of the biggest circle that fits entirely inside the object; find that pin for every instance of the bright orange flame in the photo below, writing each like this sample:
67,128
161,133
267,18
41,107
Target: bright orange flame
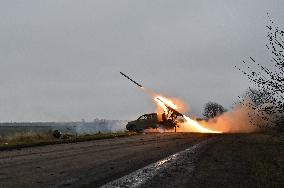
197,126
162,101
189,122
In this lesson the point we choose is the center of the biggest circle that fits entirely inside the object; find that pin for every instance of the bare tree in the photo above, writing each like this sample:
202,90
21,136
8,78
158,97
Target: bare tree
255,97
257,100
213,109
270,77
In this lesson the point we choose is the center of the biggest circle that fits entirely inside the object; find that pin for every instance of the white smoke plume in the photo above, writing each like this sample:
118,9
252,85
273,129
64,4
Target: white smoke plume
243,118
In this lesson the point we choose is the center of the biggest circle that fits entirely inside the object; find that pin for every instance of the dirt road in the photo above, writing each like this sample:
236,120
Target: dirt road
88,164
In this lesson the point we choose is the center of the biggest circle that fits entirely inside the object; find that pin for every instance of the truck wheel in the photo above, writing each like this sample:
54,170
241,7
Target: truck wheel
132,128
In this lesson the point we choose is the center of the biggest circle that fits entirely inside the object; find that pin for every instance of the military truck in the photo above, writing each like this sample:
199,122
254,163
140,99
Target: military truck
167,120
153,121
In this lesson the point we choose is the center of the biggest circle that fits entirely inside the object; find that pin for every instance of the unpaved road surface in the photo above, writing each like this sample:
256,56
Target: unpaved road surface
89,164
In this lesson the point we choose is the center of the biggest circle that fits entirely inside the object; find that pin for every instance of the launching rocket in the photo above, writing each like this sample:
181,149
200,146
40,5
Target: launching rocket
169,108
139,85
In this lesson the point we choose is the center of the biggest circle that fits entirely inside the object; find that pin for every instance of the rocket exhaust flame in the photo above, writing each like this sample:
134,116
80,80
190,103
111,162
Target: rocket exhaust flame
189,122
167,105
197,126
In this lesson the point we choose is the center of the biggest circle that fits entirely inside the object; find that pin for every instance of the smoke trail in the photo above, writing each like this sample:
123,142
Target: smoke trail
242,119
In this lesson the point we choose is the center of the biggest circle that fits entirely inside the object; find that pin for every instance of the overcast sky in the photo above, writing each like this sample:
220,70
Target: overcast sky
60,60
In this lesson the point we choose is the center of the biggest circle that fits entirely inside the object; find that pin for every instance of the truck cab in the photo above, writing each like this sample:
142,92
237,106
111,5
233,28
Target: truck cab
152,120
145,121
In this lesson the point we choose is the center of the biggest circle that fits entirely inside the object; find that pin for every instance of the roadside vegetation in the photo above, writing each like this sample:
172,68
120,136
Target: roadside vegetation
252,160
29,139
268,79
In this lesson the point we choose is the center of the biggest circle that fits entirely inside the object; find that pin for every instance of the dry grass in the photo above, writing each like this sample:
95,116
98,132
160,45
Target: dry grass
29,136
25,139
29,139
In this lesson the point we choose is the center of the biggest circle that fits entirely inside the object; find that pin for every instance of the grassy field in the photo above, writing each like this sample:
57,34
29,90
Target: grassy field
81,128
29,139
